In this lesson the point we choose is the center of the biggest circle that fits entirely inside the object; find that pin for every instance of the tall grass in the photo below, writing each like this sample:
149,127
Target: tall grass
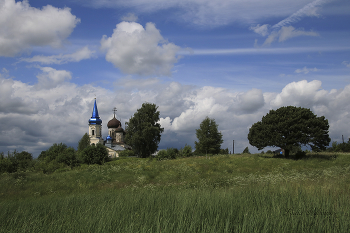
253,209
220,194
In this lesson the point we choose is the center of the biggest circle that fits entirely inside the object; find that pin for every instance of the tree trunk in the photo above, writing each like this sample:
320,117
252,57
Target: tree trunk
286,153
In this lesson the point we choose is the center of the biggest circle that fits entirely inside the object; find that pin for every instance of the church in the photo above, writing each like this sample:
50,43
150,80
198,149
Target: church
114,141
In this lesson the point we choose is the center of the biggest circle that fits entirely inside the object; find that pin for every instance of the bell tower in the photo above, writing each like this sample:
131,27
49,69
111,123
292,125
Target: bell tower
95,127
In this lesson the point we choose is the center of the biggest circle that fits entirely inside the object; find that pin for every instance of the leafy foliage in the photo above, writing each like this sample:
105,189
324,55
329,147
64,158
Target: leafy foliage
172,153
209,138
95,154
186,151
169,153
289,127
162,154
126,153
144,131
15,161
224,151
340,147
84,142
56,157
246,151
53,152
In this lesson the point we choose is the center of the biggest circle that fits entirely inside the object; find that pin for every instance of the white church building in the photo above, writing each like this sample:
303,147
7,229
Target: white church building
114,141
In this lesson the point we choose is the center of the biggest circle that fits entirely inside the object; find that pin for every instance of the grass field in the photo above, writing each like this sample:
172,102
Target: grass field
238,193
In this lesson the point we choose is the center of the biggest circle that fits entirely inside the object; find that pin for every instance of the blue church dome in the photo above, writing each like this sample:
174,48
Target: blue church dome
95,118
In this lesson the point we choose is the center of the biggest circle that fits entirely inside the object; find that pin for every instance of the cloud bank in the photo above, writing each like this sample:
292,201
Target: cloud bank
33,117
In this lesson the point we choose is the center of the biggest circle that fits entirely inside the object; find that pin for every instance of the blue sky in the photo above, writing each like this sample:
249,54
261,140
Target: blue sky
231,60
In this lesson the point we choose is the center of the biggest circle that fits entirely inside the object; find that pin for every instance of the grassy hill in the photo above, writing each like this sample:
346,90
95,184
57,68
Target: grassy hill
224,193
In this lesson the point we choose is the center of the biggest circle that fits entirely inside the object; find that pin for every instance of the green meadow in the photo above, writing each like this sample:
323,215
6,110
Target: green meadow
222,193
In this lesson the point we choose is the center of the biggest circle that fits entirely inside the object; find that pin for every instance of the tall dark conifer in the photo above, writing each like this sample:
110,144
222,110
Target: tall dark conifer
209,138
143,131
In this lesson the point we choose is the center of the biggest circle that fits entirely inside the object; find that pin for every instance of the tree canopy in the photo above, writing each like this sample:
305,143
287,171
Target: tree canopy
288,127
84,142
59,153
95,154
209,138
143,131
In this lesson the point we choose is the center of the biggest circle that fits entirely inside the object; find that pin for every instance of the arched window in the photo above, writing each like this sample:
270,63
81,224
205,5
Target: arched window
92,132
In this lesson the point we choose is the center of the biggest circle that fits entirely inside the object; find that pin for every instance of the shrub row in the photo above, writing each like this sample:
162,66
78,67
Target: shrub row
173,153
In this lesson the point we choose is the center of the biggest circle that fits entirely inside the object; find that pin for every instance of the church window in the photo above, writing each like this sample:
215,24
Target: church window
93,132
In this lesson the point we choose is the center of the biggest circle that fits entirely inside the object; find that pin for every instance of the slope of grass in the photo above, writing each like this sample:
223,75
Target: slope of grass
243,193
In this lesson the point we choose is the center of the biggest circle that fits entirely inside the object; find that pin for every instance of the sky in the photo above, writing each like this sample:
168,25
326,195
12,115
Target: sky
230,60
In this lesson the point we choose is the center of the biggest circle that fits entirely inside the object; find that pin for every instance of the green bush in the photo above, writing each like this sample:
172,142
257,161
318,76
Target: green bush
162,154
6,165
48,167
172,153
224,151
186,151
126,153
15,161
53,152
68,157
95,154
246,151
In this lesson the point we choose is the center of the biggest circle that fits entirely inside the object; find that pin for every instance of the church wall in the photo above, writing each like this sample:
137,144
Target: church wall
96,138
112,153
119,137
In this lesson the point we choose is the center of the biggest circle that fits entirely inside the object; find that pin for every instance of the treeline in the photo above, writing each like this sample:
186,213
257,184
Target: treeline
58,156
173,153
15,161
339,147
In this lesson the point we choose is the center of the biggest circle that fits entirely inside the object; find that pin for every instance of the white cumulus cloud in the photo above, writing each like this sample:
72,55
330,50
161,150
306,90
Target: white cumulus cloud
302,93
252,100
130,17
50,77
137,50
23,26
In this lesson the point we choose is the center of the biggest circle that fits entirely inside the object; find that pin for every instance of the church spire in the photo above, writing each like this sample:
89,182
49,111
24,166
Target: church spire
95,118
114,110
95,111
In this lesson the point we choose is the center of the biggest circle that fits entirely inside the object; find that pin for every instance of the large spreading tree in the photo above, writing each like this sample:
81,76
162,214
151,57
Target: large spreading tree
143,130
209,138
288,127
